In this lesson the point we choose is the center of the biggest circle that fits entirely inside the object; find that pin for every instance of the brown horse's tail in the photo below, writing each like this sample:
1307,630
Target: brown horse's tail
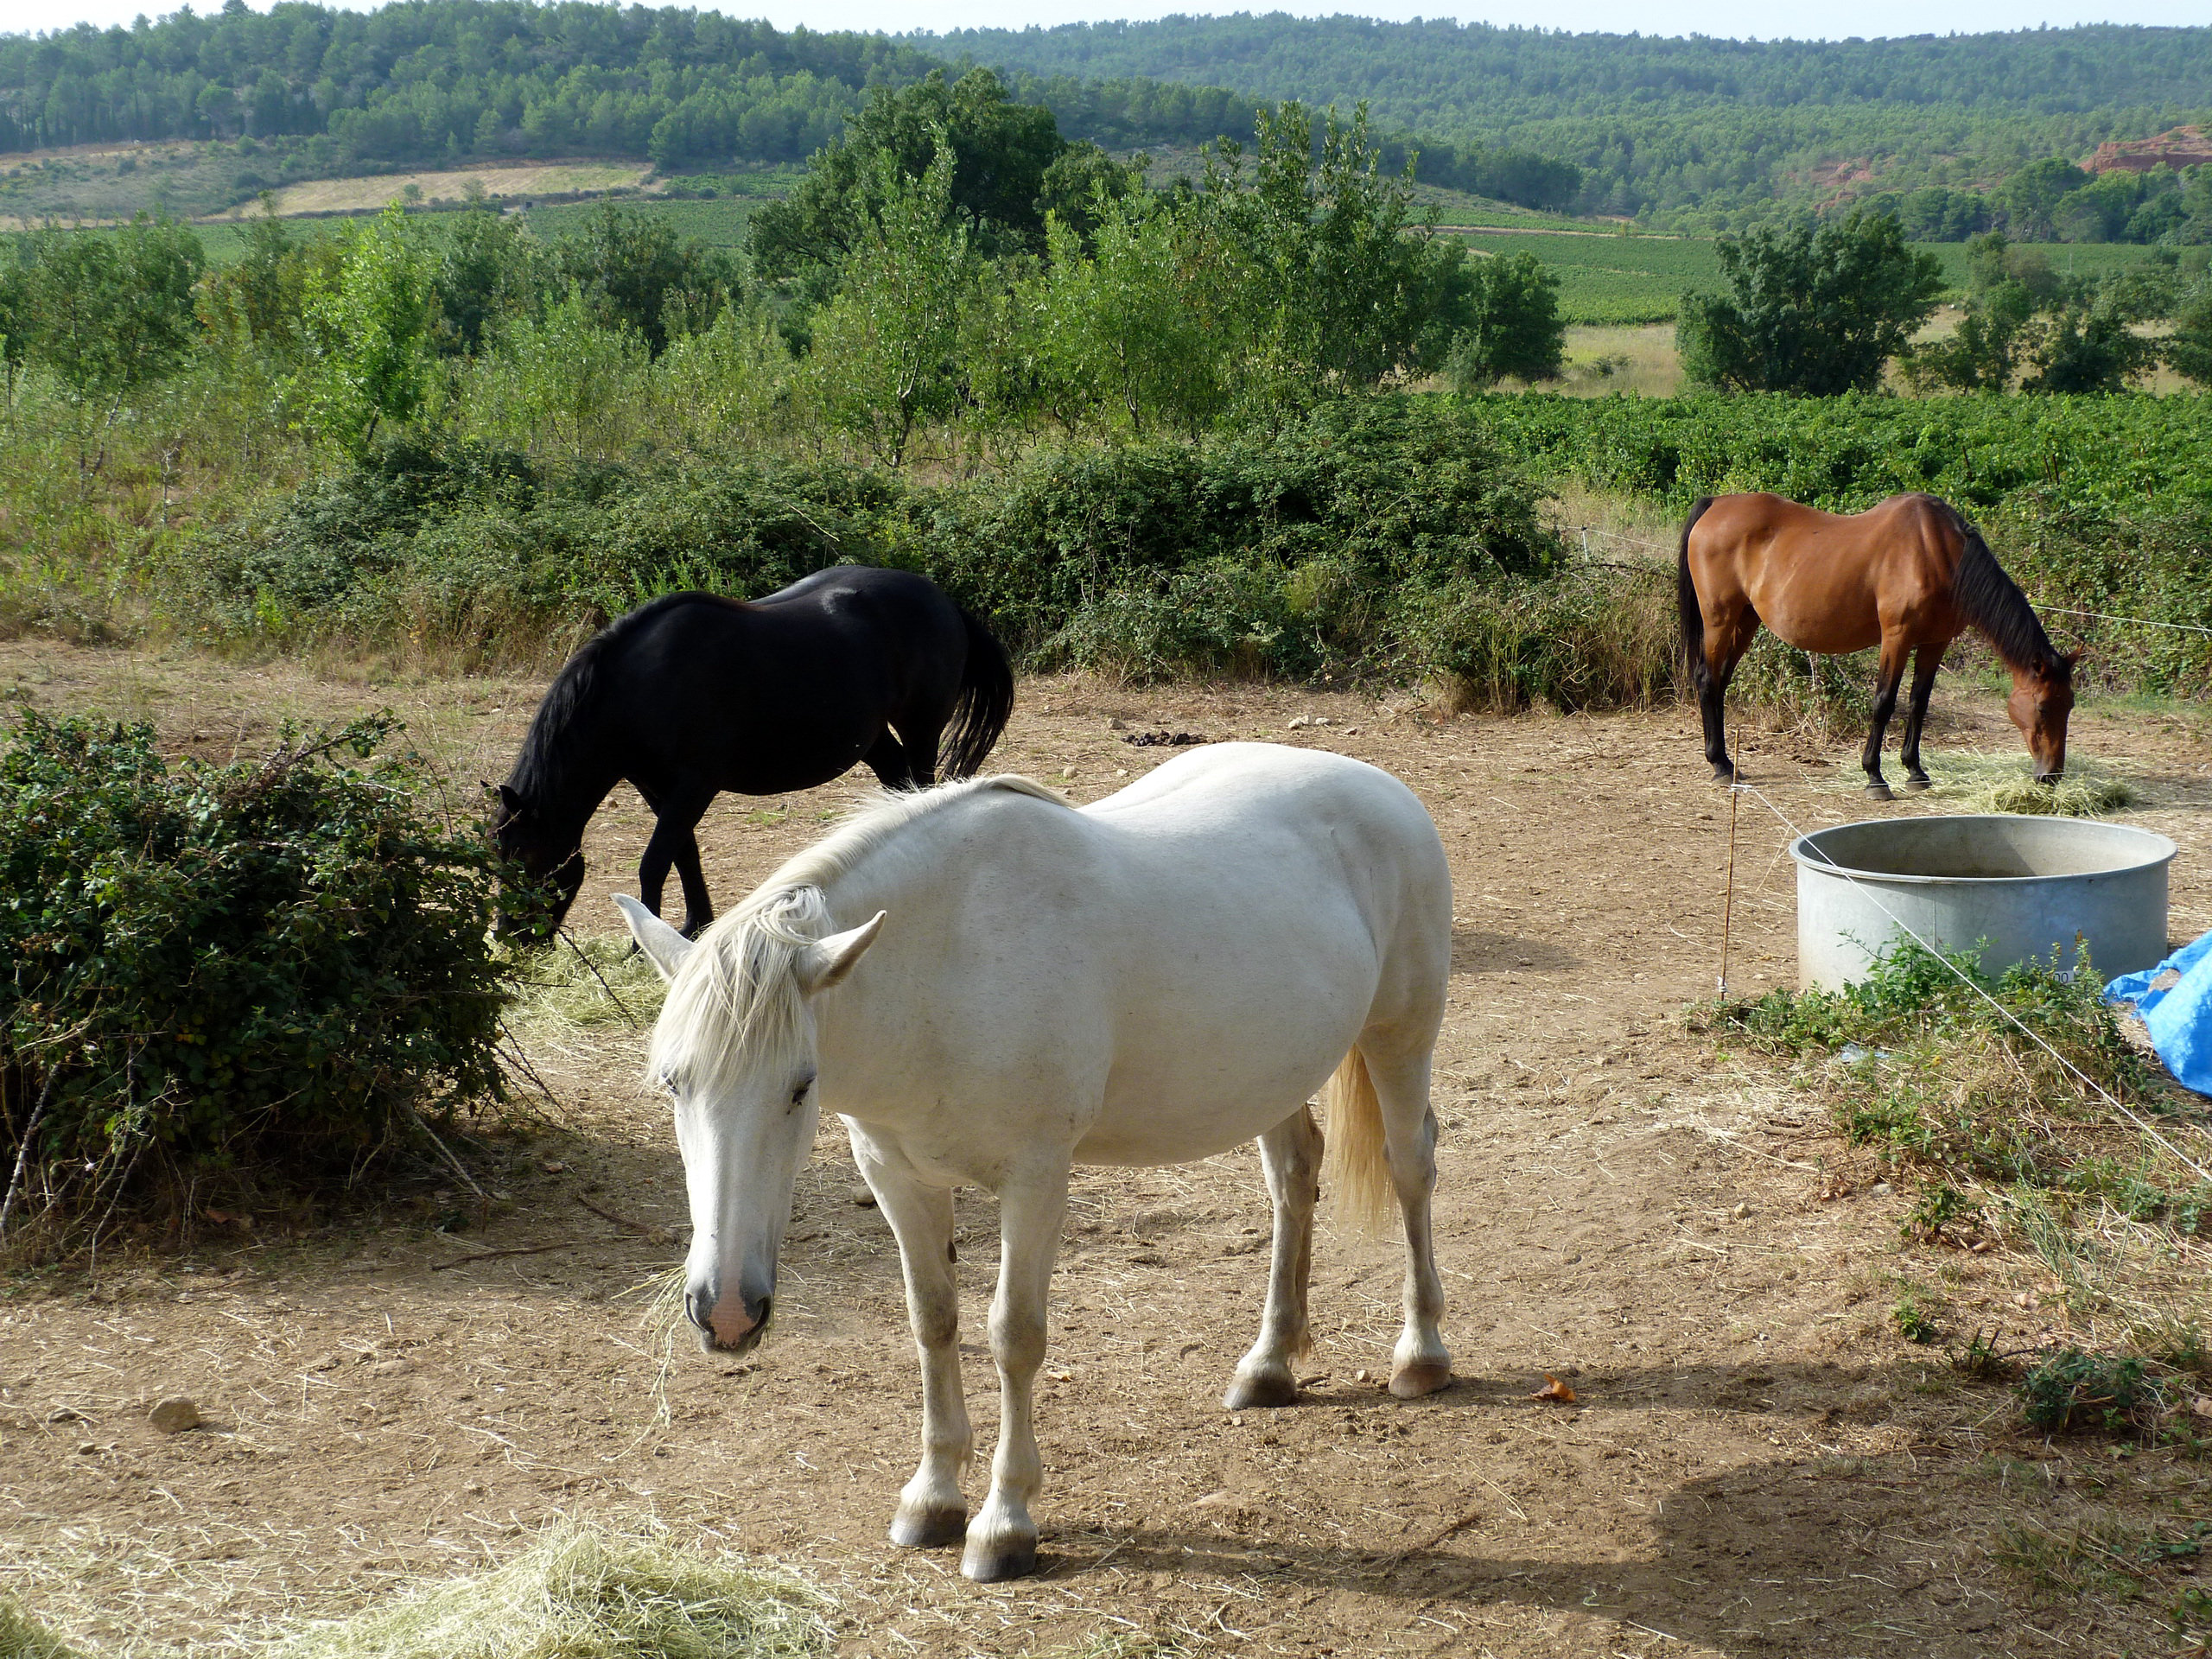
985,703
1685,600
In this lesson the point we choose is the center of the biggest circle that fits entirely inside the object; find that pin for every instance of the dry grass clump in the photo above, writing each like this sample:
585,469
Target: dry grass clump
580,1593
577,985
1975,781
23,1637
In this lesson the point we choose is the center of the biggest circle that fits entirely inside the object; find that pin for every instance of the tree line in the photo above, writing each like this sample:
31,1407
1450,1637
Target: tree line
1700,133
450,80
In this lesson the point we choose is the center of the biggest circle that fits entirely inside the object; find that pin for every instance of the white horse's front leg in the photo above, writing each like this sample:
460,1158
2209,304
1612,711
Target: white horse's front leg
1290,1154
1002,1539
931,1511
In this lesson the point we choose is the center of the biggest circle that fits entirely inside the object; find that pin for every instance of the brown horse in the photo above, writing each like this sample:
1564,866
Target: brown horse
1910,575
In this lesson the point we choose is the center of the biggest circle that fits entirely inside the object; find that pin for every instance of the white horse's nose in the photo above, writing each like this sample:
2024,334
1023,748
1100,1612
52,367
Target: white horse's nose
730,1323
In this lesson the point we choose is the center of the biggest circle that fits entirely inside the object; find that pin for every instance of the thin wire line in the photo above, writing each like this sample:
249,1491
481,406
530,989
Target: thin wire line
2140,622
1967,980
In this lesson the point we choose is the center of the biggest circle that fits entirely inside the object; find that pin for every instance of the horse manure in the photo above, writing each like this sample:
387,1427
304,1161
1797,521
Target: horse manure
1163,739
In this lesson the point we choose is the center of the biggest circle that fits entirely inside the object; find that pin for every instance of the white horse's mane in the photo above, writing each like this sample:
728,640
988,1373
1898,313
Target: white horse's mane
735,1000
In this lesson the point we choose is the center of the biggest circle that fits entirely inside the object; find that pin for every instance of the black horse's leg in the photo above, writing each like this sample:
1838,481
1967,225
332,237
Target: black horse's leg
1916,714
1887,679
673,843
698,906
920,744
887,760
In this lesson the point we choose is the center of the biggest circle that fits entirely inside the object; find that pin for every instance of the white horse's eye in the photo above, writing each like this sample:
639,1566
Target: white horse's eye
666,1081
799,1088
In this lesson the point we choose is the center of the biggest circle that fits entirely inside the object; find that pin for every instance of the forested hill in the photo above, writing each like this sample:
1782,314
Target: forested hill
1662,123
428,80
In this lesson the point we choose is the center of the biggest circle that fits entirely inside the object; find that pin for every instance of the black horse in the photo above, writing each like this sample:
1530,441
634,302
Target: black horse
694,694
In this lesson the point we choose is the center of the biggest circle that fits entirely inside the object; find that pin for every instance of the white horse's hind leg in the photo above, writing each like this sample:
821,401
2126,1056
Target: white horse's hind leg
931,1511
1421,1364
1002,1539
1290,1154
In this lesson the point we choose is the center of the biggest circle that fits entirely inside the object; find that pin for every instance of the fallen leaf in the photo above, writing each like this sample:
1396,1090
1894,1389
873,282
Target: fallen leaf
1555,1390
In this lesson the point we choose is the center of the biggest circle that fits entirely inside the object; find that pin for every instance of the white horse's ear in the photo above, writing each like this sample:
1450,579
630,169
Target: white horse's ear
825,961
663,946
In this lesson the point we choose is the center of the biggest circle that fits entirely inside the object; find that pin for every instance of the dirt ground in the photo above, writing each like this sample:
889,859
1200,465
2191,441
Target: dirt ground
1756,1463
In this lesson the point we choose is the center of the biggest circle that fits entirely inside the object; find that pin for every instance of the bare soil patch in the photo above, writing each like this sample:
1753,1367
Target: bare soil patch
1756,1463
500,183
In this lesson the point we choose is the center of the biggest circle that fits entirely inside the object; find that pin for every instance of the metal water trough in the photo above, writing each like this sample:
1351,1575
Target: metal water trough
2016,885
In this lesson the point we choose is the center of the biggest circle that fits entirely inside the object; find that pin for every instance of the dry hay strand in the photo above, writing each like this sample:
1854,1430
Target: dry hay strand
580,1592
23,1637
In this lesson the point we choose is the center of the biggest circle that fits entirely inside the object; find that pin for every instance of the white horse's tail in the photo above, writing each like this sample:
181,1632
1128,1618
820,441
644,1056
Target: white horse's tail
1355,1158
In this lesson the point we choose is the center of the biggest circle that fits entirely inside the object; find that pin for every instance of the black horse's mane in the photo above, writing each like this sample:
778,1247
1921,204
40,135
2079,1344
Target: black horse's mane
1993,603
540,775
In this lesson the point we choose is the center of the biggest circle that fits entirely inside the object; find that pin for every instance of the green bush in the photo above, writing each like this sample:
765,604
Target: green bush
1315,549
219,971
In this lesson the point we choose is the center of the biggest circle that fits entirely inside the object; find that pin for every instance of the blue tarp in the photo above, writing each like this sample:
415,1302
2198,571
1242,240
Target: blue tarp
2178,1018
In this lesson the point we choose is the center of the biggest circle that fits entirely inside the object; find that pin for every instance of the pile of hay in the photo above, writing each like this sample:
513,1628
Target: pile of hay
580,1593
1973,780
23,1637
564,989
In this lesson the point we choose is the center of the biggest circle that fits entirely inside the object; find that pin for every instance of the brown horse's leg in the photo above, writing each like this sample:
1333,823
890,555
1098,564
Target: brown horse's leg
673,843
1725,642
886,758
1924,666
1887,679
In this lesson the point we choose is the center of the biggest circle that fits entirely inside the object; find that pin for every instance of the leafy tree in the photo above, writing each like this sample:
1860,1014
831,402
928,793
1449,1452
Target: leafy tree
1812,310
2089,346
2031,197
562,378
110,313
636,273
1514,328
2188,348
885,346
16,316
1983,354
1001,153
366,328
490,269
1342,286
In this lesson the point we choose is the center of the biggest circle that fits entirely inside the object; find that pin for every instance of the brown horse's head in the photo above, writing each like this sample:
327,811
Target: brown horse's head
2041,698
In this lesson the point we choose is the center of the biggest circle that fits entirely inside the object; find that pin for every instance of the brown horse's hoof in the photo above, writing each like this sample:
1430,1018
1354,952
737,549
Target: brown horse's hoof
1879,792
1914,786
1724,775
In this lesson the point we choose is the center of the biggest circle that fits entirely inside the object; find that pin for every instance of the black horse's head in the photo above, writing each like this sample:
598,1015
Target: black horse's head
545,863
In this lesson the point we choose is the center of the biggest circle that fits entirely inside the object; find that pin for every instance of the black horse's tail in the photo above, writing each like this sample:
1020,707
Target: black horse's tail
985,702
1685,599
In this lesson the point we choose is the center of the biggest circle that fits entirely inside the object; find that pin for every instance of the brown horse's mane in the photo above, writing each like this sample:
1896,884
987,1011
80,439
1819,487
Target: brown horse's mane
1993,603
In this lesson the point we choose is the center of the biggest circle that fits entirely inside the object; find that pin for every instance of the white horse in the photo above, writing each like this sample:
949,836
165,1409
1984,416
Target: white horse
1152,979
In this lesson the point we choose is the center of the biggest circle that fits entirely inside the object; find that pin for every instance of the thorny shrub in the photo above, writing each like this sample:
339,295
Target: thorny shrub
227,974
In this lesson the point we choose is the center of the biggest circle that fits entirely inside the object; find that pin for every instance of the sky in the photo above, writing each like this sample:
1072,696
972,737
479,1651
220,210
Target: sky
1738,19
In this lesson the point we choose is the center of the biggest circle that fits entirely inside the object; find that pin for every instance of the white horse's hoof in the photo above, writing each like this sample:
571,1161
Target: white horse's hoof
1420,1376
995,1566
1274,1387
929,1528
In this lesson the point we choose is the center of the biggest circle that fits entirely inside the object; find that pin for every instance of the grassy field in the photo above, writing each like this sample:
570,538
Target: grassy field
1617,280
1626,280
